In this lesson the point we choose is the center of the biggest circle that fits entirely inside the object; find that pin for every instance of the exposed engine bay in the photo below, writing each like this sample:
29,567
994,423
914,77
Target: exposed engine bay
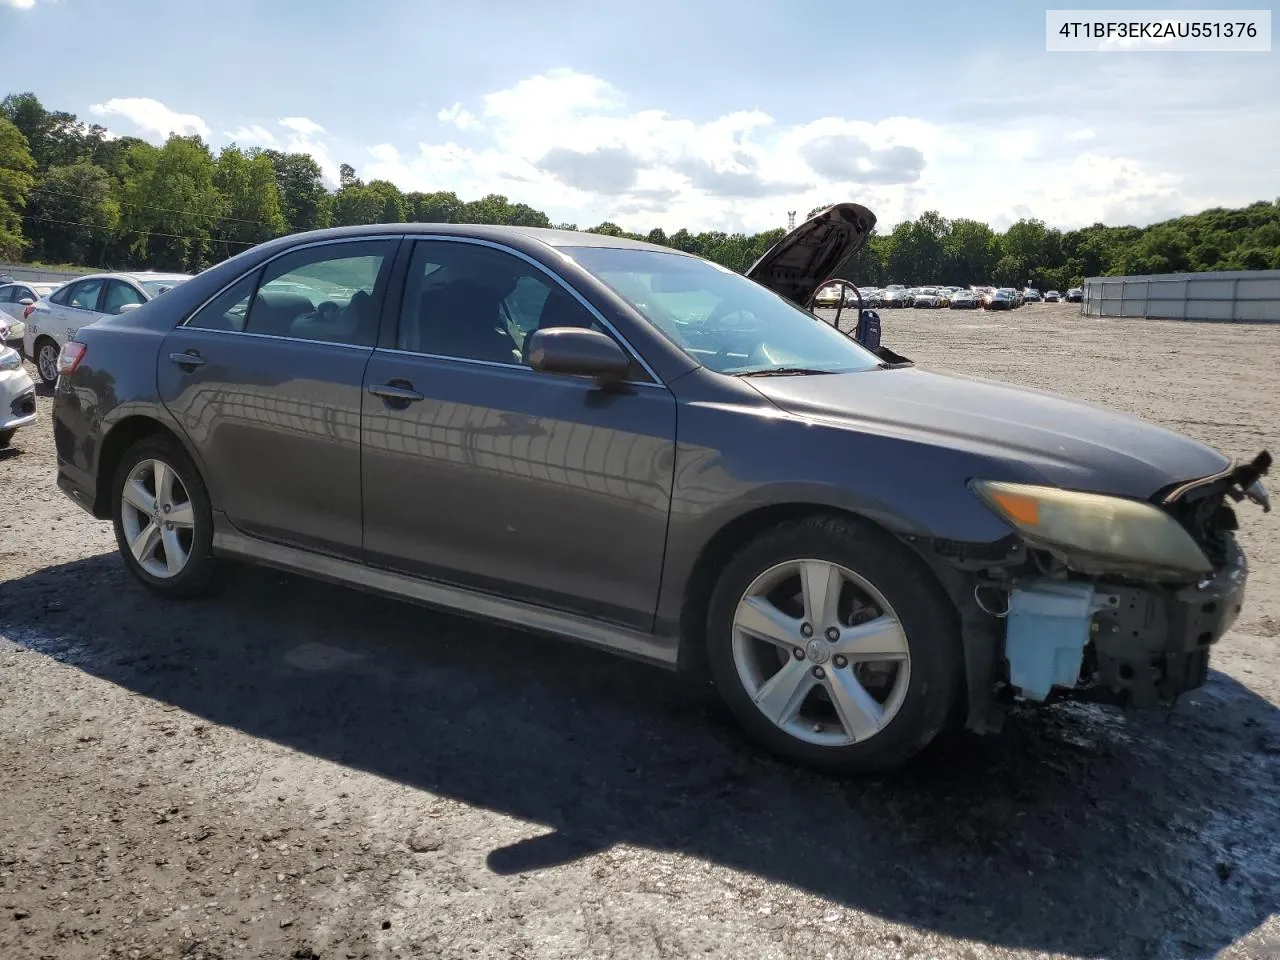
1046,624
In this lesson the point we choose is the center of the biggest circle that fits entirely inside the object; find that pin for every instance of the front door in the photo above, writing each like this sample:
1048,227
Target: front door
482,472
266,381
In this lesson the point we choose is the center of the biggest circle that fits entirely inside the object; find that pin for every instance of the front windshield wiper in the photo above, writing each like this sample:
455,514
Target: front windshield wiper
783,372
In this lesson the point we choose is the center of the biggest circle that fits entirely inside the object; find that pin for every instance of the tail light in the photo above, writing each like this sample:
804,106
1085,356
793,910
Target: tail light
69,358
26,312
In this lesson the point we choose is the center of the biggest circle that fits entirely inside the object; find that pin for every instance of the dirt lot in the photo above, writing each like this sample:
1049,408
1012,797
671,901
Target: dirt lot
294,770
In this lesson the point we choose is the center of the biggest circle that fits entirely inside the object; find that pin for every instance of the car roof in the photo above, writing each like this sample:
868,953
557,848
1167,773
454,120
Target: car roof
498,233
134,275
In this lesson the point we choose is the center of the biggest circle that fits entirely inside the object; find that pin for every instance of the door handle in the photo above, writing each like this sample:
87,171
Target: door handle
188,361
395,393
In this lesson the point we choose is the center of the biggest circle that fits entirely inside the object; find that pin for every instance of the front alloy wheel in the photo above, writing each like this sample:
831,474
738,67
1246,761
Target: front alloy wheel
821,652
834,645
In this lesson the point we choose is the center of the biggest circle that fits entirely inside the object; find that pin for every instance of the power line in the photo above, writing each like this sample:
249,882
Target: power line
150,233
144,206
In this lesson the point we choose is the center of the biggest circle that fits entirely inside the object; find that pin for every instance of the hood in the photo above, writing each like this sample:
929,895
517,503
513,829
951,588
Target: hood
814,252
1048,438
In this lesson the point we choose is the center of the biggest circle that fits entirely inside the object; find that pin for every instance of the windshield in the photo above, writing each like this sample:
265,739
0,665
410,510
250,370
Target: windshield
720,318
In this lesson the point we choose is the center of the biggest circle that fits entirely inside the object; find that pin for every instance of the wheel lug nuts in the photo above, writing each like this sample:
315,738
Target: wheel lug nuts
833,634
168,526
840,662
167,508
819,673
799,653
806,630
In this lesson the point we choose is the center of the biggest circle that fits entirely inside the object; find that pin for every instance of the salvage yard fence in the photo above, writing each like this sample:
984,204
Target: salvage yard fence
1245,296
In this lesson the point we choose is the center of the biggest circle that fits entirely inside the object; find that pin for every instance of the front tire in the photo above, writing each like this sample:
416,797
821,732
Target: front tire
833,645
6,437
163,518
46,360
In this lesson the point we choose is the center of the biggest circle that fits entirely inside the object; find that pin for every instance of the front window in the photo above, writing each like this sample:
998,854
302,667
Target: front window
720,318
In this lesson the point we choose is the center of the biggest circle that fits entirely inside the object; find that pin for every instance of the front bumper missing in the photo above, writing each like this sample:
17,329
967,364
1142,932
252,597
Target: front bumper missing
1136,646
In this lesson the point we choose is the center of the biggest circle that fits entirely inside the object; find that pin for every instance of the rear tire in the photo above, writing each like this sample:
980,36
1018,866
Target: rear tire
163,518
46,360
870,681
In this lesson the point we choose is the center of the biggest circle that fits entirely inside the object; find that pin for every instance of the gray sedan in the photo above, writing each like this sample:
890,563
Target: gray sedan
637,449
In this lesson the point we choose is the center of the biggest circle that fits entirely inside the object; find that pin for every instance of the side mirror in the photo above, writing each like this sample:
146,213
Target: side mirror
126,307
577,352
26,301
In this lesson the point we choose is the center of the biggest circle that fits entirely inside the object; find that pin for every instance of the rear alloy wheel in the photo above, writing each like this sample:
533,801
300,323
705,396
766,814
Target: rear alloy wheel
163,522
833,646
47,360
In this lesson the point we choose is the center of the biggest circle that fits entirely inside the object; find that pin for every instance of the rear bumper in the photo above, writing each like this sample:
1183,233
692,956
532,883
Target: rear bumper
77,485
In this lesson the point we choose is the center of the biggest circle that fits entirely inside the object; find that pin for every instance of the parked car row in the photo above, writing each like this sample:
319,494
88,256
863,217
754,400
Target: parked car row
16,299
938,297
44,316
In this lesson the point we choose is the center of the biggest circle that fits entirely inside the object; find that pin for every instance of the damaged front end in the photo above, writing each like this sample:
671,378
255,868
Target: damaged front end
1098,598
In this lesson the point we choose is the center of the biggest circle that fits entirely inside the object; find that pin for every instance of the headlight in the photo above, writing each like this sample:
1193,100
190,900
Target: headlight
1110,530
9,359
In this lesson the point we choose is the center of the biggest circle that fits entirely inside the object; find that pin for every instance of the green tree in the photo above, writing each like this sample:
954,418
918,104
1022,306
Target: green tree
433,207
72,214
170,204
251,209
16,180
377,202
304,201
971,250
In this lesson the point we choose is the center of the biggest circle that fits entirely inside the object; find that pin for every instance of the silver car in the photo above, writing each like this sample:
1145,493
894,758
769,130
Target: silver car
55,319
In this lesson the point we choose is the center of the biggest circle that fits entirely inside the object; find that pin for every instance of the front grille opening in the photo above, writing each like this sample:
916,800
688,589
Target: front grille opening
1211,523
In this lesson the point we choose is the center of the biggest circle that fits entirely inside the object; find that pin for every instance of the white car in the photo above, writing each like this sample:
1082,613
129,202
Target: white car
17,395
55,319
15,297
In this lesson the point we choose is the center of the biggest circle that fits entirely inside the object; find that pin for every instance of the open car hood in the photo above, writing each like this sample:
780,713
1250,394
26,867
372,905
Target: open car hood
814,252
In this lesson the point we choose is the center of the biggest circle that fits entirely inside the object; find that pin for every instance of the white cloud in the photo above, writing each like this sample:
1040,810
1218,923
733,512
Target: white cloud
18,4
566,142
460,117
304,137
303,126
571,145
152,117
254,135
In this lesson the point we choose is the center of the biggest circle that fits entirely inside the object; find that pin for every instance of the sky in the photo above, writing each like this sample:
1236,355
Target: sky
702,114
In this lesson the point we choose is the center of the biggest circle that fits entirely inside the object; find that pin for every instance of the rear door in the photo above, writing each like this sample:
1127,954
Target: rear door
483,472
266,380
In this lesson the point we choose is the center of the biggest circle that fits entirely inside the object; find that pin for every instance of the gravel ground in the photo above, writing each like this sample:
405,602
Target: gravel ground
297,770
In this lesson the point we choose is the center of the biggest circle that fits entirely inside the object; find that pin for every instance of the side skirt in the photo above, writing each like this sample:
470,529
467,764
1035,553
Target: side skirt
645,647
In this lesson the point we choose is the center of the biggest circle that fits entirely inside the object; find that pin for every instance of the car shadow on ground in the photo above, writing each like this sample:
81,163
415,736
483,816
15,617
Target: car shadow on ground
1078,830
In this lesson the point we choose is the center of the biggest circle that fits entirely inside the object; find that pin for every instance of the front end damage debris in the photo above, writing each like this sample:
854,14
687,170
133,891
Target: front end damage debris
1038,630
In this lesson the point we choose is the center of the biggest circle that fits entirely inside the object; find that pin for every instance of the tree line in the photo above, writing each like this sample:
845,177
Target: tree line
71,193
